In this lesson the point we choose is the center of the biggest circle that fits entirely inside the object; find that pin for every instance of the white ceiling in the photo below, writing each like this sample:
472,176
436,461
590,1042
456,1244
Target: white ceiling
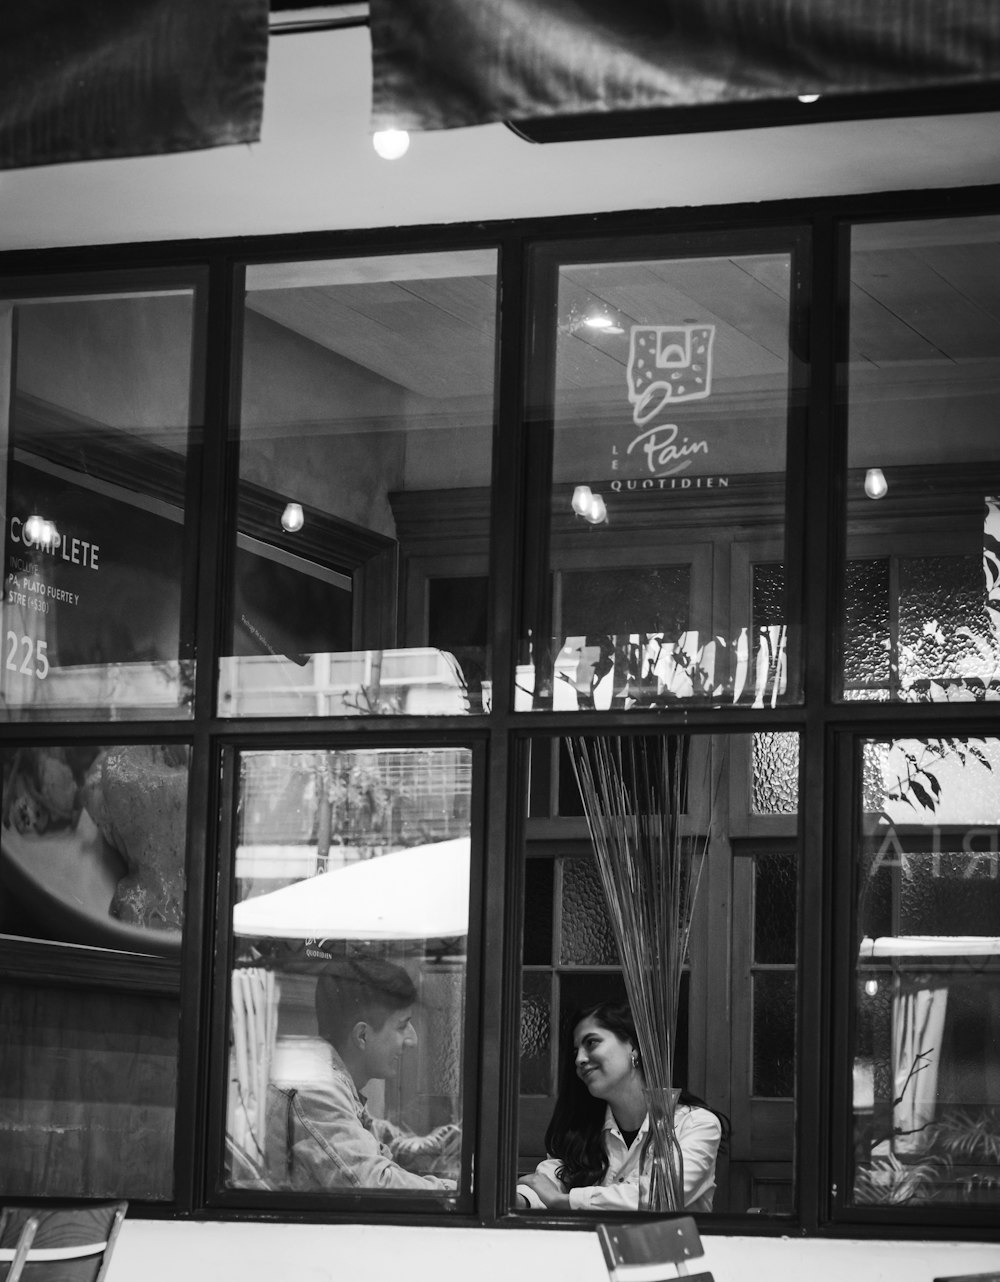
314,167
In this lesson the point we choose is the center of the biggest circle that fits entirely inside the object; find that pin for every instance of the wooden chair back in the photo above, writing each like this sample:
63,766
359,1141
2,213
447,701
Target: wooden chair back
652,1250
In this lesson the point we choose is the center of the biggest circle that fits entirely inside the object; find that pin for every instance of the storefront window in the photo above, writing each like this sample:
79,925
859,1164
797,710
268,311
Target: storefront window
101,399
660,492
375,812
366,436
92,892
926,992
348,987
921,607
734,1041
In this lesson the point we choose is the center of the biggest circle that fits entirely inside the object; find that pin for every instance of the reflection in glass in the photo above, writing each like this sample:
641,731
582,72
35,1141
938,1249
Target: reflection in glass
367,401
92,861
673,413
927,997
348,988
93,459
93,845
921,611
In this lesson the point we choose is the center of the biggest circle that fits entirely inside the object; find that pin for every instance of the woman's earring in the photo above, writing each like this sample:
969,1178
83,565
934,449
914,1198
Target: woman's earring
635,1059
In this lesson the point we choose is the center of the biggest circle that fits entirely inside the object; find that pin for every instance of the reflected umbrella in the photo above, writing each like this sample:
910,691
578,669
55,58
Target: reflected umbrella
418,893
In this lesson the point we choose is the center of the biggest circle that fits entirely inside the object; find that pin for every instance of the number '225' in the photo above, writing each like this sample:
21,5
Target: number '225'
34,662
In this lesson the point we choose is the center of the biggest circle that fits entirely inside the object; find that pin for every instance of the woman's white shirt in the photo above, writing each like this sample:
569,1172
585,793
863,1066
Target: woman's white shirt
626,1180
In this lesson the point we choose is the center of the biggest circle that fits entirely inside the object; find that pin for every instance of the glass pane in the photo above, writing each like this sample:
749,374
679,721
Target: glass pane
366,428
657,599
89,1089
775,909
348,994
926,1091
539,875
773,1034
921,614
668,418
92,867
102,407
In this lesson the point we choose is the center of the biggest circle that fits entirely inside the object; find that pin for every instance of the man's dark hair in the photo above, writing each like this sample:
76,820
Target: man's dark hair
359,988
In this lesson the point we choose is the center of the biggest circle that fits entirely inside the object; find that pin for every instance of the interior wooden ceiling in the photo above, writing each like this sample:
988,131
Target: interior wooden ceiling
930,301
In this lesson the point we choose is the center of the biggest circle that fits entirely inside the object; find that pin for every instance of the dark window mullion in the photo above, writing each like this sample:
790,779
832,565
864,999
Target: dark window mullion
823,463
199,1090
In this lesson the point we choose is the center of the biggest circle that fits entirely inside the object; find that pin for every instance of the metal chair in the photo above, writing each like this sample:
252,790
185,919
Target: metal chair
652,1250
59,1243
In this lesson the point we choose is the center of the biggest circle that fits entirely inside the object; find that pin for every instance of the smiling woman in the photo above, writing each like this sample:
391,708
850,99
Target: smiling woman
598,1139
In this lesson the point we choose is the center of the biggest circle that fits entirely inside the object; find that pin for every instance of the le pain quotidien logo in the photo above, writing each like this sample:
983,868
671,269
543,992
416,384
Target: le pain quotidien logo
667,365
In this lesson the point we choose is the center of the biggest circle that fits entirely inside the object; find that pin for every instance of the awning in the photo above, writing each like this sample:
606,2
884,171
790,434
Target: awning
110,78
439,64
418,893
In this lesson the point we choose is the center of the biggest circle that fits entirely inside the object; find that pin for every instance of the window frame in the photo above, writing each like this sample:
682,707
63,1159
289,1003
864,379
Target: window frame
815,529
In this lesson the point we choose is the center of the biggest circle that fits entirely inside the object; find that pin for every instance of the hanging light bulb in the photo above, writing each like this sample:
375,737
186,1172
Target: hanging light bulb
597,512
808,97
876,486
582,499
293,518
391,143
871,987
40,531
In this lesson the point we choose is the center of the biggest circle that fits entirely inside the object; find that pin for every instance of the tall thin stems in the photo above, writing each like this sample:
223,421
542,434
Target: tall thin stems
635,791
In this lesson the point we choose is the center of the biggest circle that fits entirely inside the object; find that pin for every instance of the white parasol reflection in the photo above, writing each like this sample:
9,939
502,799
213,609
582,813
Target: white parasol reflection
421,892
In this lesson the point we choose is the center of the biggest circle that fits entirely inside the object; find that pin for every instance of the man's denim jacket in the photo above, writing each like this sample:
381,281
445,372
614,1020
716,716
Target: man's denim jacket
322,1136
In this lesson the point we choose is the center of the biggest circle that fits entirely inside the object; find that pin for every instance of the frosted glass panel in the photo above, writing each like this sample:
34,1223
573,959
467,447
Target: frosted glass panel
775,773
536,1025
943,622
866,637
586,931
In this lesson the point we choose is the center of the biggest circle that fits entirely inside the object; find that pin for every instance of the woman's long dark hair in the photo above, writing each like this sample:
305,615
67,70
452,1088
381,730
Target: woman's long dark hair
575,1132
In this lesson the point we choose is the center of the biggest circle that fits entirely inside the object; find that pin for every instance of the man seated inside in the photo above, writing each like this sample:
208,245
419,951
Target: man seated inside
322,1136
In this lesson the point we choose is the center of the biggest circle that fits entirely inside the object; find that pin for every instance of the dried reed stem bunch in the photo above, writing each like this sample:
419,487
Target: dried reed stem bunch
635,791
